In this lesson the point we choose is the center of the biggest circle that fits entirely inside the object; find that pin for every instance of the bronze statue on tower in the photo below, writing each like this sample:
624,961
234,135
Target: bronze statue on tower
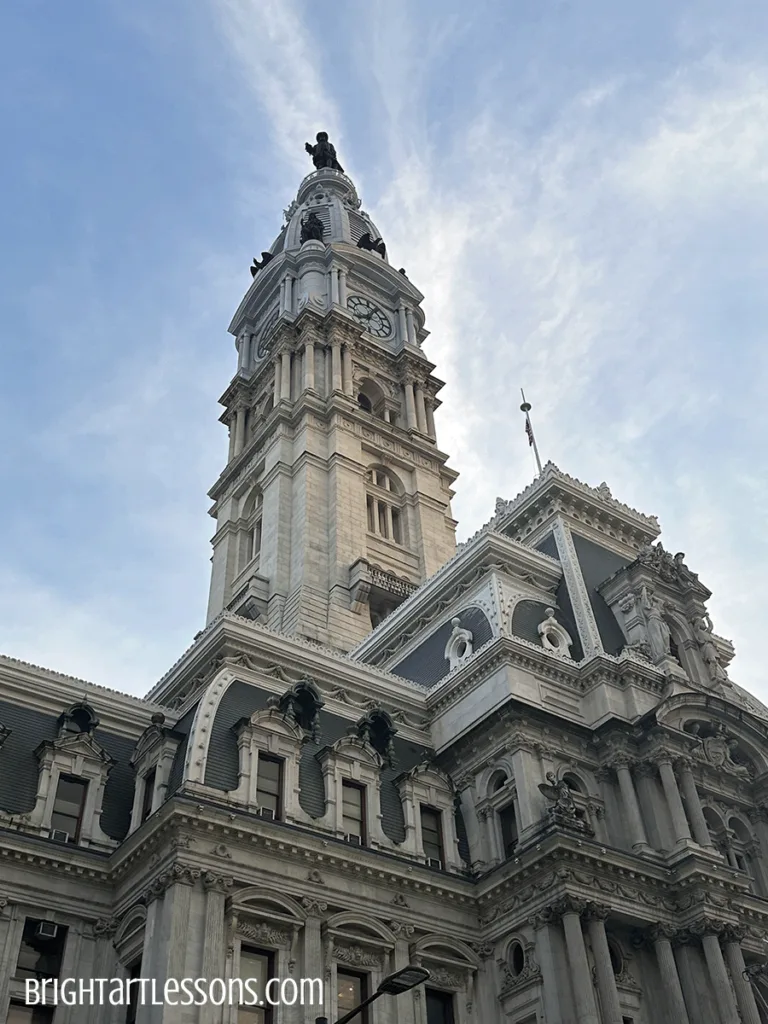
323,153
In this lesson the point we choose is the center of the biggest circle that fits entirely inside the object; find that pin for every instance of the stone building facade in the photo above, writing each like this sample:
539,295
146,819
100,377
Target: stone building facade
520,763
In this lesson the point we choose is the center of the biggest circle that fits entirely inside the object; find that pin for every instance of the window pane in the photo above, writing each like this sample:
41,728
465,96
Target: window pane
351,990
269,783
40,955
508,828
439,1007
68,805
259,966
18,1014
149,792
432,833
353,809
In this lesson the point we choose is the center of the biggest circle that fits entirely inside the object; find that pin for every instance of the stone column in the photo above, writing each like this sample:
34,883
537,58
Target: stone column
276,394
421,411
693,805
404,1013
606,979
718,974
285,376
745,997
239,429
661,937
232,434
346,360
335,286
672,793
402,323
313,948
581,976
336,365
342,286
177,904
214,947
309,365
632,807
431,421
545,953
410,326
410,406
11,928
289,292
282,306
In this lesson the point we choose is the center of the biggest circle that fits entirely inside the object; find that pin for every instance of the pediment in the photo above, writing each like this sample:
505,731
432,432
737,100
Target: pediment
76,745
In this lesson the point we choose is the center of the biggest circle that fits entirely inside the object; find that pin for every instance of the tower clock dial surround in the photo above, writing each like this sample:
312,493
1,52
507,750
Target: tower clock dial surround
266,340
370,316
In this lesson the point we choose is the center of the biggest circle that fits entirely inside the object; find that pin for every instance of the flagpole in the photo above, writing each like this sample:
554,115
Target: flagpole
526,408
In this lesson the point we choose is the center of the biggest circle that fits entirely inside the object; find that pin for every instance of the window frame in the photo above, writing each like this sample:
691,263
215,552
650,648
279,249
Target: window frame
84,785
446,998
428,809
349,785
267,758
363,1017
271,972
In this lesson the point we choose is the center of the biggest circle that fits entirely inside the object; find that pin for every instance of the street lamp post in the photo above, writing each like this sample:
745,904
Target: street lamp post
394,984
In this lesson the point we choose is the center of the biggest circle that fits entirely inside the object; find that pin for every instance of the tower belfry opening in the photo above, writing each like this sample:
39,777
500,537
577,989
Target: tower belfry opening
331,381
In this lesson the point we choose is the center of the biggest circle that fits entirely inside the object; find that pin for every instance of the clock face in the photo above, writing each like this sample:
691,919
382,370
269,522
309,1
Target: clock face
265,341
373,319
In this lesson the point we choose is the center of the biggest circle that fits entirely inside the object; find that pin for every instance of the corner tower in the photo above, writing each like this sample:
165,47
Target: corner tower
334,504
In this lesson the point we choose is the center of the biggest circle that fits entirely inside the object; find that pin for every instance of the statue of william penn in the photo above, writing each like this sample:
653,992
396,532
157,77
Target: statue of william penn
323,154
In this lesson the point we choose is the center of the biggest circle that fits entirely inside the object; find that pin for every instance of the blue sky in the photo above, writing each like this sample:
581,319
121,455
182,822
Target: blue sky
579,189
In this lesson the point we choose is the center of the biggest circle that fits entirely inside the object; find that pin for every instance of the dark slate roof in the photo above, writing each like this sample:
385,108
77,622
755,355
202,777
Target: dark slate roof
427,665
528,614
242,699
597,564
19,766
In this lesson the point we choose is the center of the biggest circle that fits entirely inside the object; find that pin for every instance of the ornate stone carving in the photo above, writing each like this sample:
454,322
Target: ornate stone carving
445,979
657,631
554,637
670,568
401,930
104,927
260,932
459,646
702,632
314,906
398,900
217,883
356,956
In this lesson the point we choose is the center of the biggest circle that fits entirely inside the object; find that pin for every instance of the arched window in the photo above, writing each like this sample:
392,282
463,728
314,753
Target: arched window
384,505
250,536
370,398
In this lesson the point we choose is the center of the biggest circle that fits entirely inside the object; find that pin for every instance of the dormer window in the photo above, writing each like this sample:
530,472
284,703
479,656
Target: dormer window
67,816
147,796
353,811
269,786
432,836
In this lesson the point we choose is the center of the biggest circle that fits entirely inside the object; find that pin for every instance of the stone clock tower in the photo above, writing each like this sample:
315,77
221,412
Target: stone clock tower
334,504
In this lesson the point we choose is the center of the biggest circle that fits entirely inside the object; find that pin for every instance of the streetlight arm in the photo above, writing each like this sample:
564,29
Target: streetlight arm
353,1013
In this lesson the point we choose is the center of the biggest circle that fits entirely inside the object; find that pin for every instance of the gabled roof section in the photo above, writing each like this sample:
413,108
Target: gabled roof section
592,511
486,551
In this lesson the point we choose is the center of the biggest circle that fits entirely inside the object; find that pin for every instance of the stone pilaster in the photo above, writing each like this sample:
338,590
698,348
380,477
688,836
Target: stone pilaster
546,955
693,805
637,834
660,935
570,911
606,980
709,931
742,988
216,888
672,793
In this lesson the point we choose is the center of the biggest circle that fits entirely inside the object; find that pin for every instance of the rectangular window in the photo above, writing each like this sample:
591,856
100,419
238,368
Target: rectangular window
508,823
269,785
68,806
397,533
41,950
257,965
148,794
432,834
20,1014
134,972
353,810
256,538
351,990
371,508
439,1007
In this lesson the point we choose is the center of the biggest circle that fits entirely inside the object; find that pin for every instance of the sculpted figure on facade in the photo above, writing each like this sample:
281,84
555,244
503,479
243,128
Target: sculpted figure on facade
702,632
312,229
657,629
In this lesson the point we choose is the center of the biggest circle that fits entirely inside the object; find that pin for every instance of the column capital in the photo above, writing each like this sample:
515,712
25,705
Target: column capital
646,769
217,883
597,911
568,905
661,931
707,926
314,906
105,927
734,933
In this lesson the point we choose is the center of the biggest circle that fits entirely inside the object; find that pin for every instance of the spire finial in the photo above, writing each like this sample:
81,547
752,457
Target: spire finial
526,408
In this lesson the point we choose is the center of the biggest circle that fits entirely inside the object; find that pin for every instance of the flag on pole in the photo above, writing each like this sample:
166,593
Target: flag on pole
529,431
526,408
